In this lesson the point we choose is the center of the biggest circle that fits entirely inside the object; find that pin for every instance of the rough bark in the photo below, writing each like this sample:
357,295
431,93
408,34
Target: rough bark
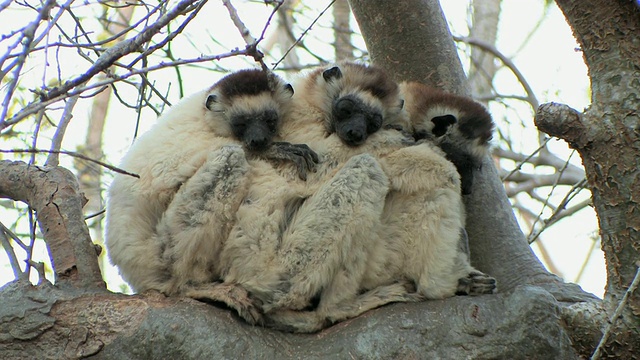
44,322
411,39
54,194
608,139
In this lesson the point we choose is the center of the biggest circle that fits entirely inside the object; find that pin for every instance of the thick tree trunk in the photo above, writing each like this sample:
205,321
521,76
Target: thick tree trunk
607,137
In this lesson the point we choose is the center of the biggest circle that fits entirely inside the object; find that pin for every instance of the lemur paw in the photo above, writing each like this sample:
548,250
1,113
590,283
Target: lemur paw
232,295
476,283
301,155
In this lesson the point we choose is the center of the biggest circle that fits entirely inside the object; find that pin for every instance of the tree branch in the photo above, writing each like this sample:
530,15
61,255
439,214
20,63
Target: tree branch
115,326
108,58
531,97
54,194
563,122
56,143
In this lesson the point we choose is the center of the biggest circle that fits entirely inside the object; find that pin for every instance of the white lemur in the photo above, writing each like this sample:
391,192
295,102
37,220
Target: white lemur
349,109
158,232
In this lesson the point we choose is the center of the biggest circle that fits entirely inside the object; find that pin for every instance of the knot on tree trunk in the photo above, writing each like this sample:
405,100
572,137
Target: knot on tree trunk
563,122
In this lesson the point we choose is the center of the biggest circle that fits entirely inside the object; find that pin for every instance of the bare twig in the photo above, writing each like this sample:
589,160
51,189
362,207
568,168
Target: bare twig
250,41
244,31
74,154
594,242
13,236
26,40
531,97
556,214
304,33
616,314
108,58
56,143
171,35
37,105
13,260
91,216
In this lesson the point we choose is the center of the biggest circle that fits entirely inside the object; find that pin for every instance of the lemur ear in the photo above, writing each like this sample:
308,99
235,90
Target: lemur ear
211,99
442,123
288,88
333,73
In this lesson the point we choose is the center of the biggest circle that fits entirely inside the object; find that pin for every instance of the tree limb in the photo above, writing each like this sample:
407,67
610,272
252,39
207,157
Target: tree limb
54,194
563,122
49,323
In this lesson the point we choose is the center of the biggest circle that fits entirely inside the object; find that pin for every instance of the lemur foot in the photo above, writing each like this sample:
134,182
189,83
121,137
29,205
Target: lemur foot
232,295
476,283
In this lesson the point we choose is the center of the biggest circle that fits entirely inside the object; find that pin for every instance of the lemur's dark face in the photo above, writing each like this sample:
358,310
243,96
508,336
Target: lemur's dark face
256,130
251,102
353,120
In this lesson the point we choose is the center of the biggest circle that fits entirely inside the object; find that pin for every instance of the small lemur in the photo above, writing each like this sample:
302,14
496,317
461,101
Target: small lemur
460,126
195,160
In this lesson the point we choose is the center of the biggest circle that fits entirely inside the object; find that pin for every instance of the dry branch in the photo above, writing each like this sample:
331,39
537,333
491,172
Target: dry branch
54,194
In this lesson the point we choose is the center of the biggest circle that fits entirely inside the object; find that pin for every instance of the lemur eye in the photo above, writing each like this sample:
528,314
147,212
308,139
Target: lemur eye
374,123
270,118
345,107
239,124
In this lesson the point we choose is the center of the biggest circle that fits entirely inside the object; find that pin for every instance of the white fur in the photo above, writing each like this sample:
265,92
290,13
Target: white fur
415,237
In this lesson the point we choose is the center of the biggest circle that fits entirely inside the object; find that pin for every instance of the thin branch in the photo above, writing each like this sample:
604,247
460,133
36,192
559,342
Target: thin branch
91,216
554,186
304,33
244,31
36,106
544,159
594,242
5,4
56,143
616,314
554,217
531,97
13,236
108,58
26,40
36,132
171,35
74,154
13,260
250,41
525,160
